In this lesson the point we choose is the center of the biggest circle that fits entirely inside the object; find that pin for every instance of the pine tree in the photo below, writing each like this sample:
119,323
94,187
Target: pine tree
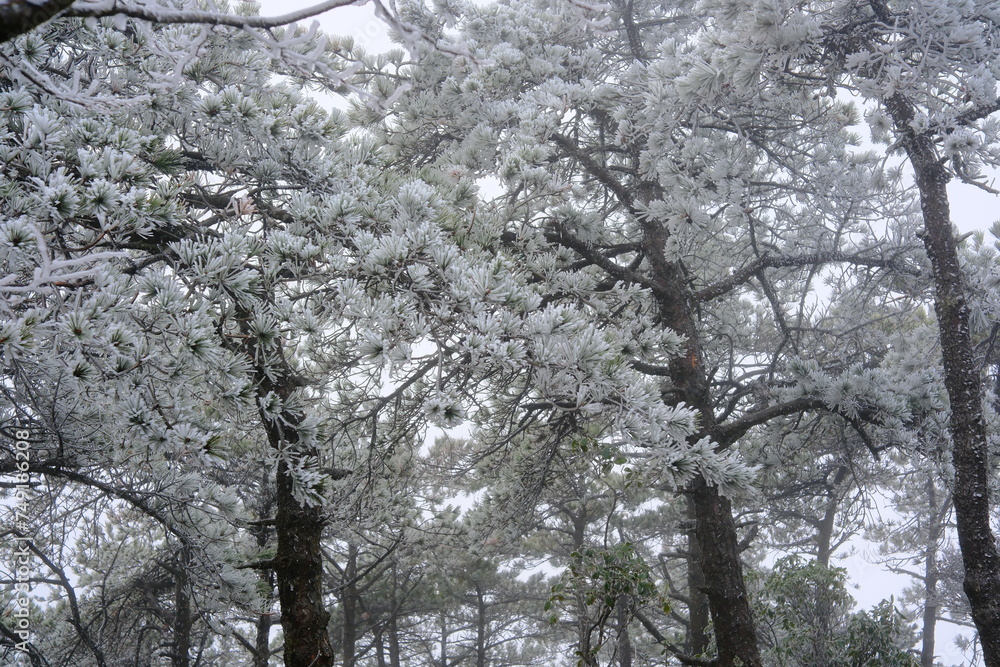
646,160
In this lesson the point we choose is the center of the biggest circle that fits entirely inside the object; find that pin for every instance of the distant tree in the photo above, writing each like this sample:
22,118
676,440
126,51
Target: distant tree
806,619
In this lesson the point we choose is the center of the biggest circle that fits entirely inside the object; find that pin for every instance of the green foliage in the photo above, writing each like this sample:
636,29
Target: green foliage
599,581
805,617
878,638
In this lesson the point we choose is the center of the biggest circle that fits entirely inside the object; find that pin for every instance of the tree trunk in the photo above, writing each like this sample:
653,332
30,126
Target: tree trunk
624,640
298,565
298,559
826,525
181,656
393,623
732,619
927,641
260,531
970,455
480,628
262,642
349,602
696,641
380,648
735,632
393,642
938,516
583,625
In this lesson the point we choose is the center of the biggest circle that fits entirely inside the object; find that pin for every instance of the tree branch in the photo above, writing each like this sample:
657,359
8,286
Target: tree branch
767,261
163,15
727,434
19,17
663,641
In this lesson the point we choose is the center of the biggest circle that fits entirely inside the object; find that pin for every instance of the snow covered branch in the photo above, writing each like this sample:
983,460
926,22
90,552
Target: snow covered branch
51,272
160,14
17,18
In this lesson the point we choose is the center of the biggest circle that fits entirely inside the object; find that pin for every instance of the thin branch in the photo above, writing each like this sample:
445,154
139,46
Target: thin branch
77,620
663,641
167,16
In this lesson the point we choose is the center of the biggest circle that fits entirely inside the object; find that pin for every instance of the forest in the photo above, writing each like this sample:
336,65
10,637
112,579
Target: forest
561,334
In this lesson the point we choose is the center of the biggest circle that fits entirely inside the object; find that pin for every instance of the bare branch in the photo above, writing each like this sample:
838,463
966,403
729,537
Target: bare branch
663,641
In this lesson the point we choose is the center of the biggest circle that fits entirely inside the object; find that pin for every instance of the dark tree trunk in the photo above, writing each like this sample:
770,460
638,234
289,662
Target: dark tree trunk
481,623
970,454
624,639
181,656
393,643
262,642
696,641
298,565
349,603
393,620
735,632
732,619
298,559
584,628
380,648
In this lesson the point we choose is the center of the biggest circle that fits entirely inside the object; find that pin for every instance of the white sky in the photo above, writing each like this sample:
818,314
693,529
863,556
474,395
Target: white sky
972,209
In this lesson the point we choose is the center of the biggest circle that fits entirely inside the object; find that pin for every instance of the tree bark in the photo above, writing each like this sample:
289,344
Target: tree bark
735,632
349,602
298,559
298,565
481,627
624,639
732,618
380,648
181,655
696,641
262,641
583,626
970,455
